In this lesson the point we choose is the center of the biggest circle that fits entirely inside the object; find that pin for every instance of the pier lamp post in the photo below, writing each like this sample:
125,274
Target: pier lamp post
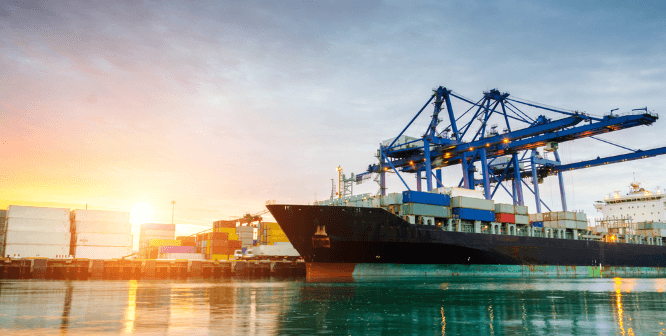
173,209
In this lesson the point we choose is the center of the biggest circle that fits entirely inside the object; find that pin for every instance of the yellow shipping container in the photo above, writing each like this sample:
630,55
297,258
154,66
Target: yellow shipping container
278,240
164,242
221,257
272,225
231,231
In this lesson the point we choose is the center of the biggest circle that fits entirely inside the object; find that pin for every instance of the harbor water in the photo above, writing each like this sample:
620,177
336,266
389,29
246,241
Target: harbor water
429,306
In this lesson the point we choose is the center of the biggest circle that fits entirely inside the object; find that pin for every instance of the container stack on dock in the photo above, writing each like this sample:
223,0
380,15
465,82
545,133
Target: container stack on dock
3,224
100,234
183,247
246,236
271,233
37,232
221,243
161,233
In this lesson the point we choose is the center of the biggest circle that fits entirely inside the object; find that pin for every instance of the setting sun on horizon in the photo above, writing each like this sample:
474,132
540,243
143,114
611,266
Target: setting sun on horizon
141,213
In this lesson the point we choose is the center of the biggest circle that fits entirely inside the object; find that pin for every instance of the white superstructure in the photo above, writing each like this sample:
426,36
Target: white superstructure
639,205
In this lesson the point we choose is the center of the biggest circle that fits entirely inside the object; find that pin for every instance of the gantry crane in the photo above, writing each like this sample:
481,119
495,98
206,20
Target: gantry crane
507,156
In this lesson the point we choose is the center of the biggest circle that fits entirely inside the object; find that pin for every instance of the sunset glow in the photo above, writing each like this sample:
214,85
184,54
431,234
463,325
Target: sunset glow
141,213
103,105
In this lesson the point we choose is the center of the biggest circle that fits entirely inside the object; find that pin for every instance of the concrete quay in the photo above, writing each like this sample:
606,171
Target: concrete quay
144,269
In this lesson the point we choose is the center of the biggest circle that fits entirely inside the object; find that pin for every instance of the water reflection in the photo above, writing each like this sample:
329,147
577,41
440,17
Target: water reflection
240,307
64,324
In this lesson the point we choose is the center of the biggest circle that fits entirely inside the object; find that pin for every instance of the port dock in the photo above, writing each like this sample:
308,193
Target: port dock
138,269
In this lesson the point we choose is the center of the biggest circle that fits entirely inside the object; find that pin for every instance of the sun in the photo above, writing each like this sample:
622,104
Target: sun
141,213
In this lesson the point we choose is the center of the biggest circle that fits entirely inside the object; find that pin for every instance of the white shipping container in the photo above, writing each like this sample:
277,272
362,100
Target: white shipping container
101,227
101,252
581,217
522,219
38,238
522,210
100,216
505,208
39,225
471,193
581,225
393,198
19,211
32,251
566,224
566,215
472,203
102,239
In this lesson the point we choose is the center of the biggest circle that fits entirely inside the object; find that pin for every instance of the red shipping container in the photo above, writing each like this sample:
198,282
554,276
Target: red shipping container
505,218
235,244
219,236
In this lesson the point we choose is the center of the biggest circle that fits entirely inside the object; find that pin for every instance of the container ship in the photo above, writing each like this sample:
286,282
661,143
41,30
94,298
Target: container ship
439,234
439,231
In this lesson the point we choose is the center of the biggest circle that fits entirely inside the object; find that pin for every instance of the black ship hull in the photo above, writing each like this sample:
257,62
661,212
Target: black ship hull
351,241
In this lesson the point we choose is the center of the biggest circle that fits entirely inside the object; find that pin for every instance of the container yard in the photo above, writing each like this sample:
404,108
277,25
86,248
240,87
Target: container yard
56,243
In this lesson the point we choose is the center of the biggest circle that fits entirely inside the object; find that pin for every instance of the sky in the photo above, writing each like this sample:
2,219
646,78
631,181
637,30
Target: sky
224,105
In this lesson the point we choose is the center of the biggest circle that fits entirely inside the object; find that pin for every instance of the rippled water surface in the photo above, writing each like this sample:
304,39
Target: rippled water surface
370,306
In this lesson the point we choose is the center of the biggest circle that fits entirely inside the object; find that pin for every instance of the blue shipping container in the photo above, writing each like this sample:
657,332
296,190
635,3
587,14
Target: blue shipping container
422,197
474,214
244,249
537,224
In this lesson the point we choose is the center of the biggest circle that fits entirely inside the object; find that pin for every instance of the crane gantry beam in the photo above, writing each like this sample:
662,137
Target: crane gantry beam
503,156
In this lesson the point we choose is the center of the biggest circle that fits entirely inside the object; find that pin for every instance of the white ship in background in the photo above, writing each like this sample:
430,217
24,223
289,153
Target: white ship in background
637,206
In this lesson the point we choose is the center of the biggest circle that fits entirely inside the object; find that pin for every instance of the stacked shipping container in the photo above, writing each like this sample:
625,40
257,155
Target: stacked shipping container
37,232
473,209
3,223
100,234
159,232
560,220
221,243
271,233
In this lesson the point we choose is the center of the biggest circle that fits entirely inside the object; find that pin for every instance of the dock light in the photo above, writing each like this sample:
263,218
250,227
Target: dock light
505,140
471,149
411,162
487,145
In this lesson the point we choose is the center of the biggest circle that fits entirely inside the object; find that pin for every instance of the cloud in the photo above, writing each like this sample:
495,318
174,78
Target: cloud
223,105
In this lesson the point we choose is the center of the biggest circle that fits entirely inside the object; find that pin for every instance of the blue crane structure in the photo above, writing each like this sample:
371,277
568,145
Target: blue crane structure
509,156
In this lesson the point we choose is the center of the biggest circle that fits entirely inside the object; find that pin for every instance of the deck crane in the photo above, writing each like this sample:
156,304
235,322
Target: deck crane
509,156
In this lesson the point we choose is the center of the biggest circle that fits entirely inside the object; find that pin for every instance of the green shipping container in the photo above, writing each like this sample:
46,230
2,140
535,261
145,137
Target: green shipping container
419,209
